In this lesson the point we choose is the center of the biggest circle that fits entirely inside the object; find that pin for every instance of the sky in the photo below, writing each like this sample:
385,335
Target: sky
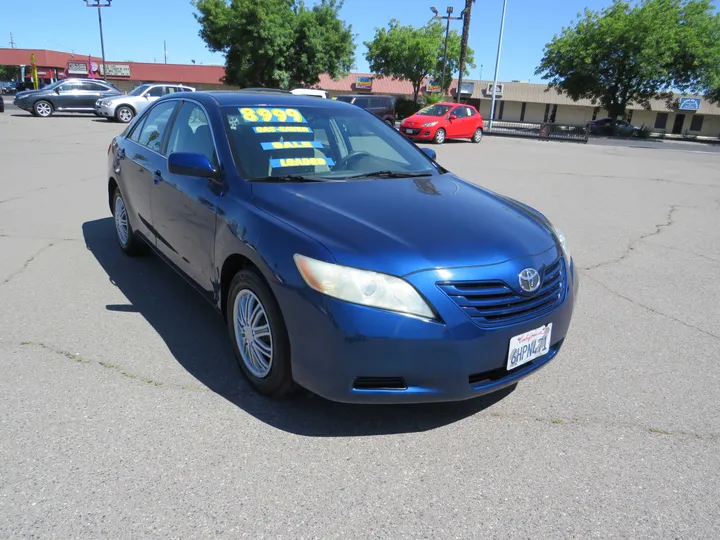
135,29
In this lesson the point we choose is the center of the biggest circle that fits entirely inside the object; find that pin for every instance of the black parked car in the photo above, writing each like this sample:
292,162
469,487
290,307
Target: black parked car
68,95
381,106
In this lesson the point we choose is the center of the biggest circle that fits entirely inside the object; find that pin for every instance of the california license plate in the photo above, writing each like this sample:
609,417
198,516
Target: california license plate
526,347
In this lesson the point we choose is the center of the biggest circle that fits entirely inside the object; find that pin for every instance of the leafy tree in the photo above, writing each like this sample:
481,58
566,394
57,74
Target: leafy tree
276,43
633,53
413,54
8,73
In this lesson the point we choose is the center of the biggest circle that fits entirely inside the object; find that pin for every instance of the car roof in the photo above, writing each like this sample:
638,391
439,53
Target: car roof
228,98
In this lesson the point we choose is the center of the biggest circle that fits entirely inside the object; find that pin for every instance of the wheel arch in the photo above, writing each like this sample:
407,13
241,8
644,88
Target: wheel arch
233,264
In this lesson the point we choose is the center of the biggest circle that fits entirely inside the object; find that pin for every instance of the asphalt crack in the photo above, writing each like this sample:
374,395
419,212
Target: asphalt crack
669,221
76,357
44,188
566,422
27,262
648,308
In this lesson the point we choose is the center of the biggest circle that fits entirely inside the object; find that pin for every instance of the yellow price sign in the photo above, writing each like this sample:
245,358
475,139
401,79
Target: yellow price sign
264,115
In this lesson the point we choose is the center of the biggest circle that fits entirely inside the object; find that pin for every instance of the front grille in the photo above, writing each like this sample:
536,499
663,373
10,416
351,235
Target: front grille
380,383
494,303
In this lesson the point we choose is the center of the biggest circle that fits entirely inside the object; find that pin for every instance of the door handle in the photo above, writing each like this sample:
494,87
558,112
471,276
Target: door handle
157,176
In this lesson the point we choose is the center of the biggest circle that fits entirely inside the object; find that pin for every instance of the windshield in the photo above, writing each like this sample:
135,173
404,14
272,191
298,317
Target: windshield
53,85
434,110
139,90
325,143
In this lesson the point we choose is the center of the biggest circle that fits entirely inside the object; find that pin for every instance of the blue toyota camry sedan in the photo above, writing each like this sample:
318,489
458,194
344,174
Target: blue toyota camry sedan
343,258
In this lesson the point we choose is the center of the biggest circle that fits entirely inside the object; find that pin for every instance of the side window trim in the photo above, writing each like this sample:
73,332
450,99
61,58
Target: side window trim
170,125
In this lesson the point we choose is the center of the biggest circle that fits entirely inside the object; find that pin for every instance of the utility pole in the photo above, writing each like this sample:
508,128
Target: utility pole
99,4
497,64
165,47
463,44
447,34
12,41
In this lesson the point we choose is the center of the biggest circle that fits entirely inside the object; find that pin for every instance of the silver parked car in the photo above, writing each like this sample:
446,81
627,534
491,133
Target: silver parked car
124,108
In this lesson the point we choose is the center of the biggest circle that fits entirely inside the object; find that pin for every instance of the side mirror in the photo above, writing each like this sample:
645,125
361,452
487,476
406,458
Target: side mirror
429,152
453,117
57,89
190,164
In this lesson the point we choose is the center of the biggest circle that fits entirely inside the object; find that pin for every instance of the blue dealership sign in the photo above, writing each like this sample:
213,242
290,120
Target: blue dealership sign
689,104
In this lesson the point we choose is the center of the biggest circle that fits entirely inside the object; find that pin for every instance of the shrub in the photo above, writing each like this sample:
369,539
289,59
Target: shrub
644,132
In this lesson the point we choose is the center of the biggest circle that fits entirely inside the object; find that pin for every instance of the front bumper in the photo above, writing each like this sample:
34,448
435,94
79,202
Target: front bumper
23,104
108,111
335,343
424,133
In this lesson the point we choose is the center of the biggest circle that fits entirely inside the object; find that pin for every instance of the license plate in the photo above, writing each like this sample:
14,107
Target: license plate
410,131
528,346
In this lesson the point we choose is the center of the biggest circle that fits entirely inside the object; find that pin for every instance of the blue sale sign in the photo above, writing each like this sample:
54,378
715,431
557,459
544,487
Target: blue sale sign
689,104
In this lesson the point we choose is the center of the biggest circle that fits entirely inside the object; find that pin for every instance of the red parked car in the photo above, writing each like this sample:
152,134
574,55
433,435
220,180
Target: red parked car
443,121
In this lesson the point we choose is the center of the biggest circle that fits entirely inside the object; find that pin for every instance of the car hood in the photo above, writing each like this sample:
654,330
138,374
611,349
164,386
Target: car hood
399,226
29,93
420,119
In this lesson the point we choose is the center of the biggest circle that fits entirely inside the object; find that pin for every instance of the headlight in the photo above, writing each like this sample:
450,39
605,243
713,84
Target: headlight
107,103
362,287
563,243
429,124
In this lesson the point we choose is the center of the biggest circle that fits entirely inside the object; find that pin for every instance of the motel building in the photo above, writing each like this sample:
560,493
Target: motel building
516,101
520,101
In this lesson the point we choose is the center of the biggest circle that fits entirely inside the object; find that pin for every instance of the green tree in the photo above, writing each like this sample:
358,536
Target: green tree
8,73
277,43
413,54
633,53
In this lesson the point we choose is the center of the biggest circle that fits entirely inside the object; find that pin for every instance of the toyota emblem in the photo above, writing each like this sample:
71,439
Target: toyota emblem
529,280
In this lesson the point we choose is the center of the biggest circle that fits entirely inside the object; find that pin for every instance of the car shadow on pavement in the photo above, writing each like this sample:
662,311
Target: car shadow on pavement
196,335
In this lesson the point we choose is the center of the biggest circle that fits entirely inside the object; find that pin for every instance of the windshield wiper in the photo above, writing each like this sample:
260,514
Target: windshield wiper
390,174
287,178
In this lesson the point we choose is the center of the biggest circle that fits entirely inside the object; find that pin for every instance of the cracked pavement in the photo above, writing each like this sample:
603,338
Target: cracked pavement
124,414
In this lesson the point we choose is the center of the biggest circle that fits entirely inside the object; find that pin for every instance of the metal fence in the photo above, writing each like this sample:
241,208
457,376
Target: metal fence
543,130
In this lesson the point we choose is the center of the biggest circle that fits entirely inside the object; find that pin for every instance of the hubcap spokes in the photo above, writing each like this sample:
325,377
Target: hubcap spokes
253,334
121,223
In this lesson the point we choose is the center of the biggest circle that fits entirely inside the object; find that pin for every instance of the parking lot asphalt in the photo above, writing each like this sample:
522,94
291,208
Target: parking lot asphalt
124,414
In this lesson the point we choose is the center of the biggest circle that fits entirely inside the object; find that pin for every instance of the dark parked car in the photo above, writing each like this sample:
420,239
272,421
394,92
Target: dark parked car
343,257
381,106
604,126
68,95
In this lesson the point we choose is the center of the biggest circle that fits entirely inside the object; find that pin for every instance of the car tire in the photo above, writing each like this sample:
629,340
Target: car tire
43,109
440,136
477,136
124,233
264,357
390,122
124,114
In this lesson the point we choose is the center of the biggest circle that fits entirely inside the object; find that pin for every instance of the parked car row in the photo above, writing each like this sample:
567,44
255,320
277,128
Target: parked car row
437,123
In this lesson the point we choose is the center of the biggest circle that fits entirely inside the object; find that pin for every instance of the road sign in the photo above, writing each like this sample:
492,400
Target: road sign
689,104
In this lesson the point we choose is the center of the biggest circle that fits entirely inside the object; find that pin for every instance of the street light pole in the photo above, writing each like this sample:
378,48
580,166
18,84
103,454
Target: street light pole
99,4
497,65
448,18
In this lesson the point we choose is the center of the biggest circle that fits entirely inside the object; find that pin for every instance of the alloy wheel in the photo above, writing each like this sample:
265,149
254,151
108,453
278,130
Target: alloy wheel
253,334
121,221
43,109
124,114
